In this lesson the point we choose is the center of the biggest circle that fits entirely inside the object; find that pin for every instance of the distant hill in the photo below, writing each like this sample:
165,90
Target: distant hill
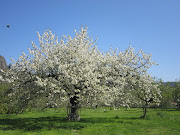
3,64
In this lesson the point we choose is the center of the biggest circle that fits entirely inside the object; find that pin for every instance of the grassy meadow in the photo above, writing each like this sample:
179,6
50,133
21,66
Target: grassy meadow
93,122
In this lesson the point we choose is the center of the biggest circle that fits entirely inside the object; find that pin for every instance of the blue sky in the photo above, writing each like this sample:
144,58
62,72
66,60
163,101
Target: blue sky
150,25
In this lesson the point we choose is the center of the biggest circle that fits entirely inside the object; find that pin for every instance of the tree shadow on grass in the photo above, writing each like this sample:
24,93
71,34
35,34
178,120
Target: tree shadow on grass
165,109
34,124
170,110
48,123
109,120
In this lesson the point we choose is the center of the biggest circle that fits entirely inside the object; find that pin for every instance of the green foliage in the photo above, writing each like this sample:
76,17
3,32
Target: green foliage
9,103
93,122
5,102
176,93
170,92
5,86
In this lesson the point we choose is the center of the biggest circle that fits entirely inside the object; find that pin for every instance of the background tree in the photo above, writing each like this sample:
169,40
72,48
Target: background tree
146,90
170,94
131,68
6,106
176,93
167,94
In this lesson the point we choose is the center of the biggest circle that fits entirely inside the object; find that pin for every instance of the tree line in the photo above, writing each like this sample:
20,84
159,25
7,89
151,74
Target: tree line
170,92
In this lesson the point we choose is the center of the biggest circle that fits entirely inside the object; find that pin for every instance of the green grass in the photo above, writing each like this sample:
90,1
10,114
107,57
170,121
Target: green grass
93,122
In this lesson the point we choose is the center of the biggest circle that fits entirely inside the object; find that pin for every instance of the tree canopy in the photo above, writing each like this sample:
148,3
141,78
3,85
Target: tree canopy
58,69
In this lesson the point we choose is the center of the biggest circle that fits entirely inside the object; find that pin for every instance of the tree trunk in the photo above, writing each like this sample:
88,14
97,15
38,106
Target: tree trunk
73,109
145,110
